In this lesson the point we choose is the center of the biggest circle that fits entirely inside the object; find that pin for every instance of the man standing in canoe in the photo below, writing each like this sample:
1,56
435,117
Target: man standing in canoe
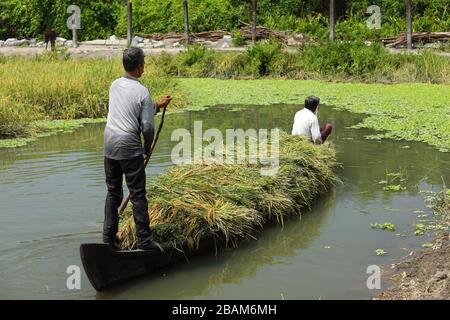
306,122
131,113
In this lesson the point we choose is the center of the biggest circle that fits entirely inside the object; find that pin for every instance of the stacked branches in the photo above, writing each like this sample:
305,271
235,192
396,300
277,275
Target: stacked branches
422,37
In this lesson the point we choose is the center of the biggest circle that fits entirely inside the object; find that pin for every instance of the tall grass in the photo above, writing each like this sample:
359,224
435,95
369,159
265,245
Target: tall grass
342,61
55,87
231,202
441,205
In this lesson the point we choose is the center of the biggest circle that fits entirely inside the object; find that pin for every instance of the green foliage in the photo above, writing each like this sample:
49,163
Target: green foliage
345,58
29,18
238,39
394,182
383,226
14,121
151,16
329,60
420,229
261,57
380,252
101,18
427,245
439,202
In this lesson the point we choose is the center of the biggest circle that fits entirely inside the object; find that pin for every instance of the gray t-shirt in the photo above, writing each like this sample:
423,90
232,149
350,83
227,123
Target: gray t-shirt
131,112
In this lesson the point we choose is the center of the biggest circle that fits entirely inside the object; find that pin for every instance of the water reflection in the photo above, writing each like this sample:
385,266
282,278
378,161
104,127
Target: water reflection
276,245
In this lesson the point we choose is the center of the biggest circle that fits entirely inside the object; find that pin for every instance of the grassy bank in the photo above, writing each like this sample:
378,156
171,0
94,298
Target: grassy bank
330,61
413,112
231,202
53,87
35,91
441,206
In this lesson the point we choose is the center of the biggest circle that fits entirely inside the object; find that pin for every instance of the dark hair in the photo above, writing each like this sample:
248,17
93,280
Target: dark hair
312,102
132,57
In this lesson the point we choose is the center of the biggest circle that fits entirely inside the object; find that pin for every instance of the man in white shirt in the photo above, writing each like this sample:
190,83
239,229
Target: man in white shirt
306,122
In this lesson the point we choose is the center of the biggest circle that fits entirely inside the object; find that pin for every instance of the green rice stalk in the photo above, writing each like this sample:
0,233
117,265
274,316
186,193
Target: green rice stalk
232,202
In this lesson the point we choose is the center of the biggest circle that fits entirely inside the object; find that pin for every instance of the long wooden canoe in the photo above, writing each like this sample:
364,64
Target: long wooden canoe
106,267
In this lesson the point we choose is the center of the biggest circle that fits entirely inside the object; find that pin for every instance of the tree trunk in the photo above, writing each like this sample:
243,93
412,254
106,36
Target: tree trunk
409,24
332,20
130,23
186,20
302,9
254,21
74,38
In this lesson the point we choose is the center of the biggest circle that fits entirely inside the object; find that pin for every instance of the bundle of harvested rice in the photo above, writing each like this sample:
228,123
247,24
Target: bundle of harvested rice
231,202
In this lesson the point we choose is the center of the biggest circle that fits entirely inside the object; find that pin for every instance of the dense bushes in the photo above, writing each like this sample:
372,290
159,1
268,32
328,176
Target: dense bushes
29,18
330,60
101,18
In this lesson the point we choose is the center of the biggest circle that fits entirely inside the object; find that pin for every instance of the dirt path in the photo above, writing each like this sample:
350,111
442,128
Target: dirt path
422,276
93,51
103,51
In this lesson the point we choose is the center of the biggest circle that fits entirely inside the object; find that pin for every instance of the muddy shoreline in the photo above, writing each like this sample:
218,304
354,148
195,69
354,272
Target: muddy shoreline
423,275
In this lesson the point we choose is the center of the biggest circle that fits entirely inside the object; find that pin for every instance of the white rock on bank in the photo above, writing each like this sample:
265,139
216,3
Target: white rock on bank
169,42
433,45
10,40
61,41
210,44
2,43
225,42
136,40
96,42
158,44
16,43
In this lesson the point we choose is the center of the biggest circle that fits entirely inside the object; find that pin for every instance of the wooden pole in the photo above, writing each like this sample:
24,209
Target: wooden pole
186,21
409,24
332,20
74,37
255,6
74,27
130,23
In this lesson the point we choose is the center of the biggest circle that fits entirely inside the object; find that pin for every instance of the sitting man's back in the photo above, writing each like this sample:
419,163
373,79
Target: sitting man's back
306,122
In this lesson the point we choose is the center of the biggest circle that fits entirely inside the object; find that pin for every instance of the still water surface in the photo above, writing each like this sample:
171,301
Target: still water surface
52,194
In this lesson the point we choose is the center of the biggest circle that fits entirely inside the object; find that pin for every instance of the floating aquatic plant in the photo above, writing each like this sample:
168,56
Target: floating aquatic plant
384,226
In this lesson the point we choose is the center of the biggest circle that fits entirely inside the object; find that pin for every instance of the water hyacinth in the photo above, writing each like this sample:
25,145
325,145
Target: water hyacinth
232,202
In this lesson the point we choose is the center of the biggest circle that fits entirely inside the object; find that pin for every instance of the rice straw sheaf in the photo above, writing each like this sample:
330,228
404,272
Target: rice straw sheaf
232,202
